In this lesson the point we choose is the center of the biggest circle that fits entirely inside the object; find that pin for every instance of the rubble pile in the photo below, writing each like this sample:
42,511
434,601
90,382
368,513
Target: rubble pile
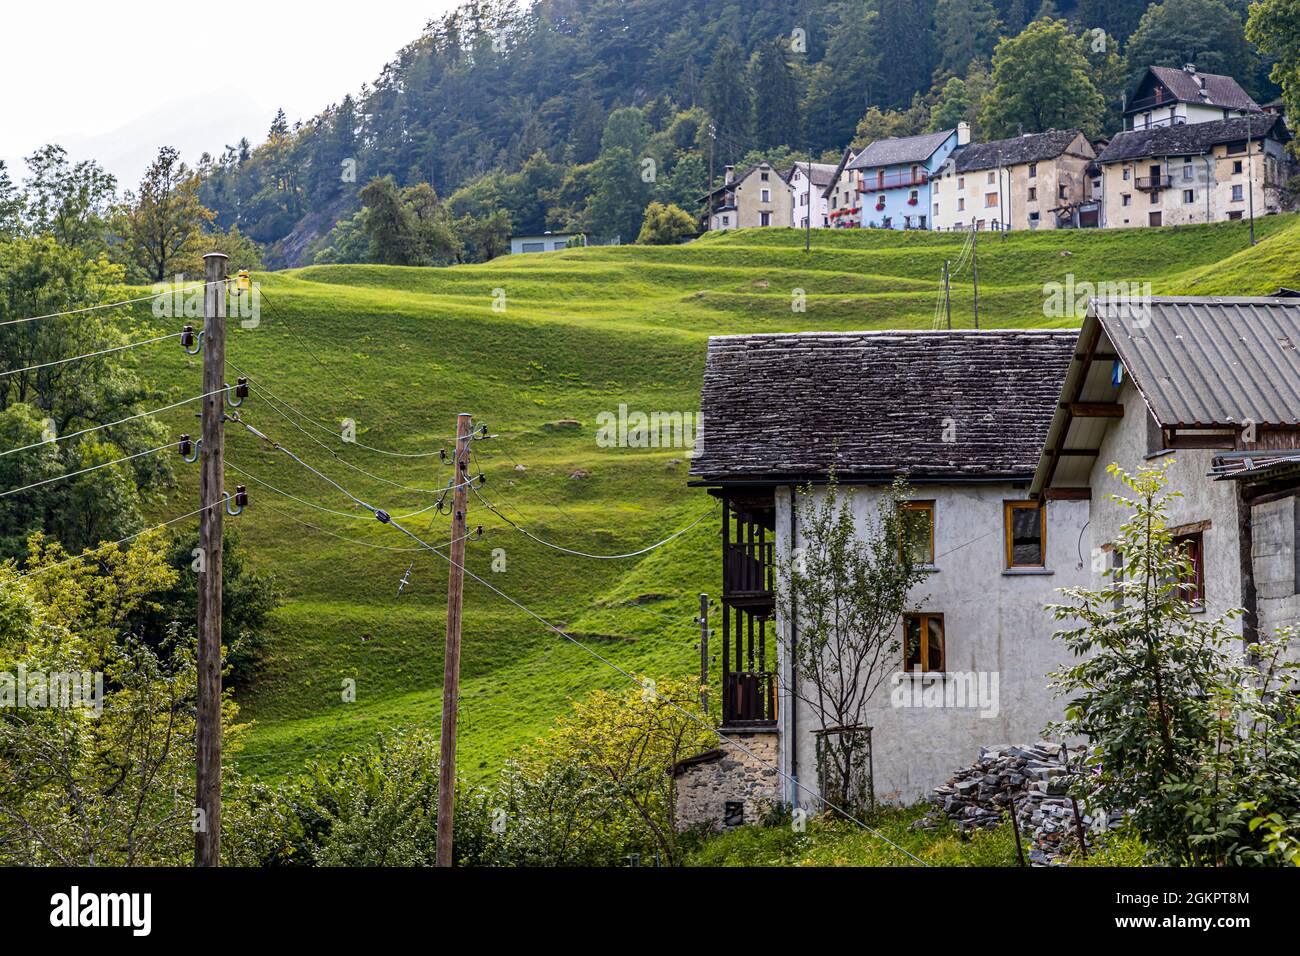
1037,778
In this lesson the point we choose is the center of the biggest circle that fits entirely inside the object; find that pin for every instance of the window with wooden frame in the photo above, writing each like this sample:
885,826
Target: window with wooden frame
923,643
1025,530
918,531
1191,579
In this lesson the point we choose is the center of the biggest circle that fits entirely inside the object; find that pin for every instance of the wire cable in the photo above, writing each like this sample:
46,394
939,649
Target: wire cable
120,421
84,471
114,544
93,308
583,554
386,519
89,355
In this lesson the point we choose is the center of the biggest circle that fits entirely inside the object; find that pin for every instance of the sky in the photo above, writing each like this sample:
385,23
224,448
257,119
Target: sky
113,81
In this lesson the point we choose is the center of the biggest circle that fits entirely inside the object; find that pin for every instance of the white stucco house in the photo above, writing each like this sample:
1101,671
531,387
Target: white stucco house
1004,437
545,242
1168,96
808,183
753,197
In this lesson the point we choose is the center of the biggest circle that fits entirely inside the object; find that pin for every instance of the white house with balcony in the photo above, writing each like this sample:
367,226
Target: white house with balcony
1167,96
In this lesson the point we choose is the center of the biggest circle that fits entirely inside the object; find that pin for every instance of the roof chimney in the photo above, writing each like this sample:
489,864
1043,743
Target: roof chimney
1189,68
729,173
963,133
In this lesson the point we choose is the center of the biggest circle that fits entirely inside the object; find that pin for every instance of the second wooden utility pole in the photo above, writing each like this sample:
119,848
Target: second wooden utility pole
975,271
451,658
207,775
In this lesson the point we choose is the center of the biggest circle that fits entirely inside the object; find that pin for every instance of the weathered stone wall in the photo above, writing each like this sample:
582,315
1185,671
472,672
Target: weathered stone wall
705,785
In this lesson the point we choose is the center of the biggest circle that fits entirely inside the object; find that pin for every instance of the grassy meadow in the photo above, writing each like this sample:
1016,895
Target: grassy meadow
573,334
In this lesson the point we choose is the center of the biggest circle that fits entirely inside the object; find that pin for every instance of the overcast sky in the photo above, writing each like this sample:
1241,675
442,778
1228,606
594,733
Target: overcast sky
113,81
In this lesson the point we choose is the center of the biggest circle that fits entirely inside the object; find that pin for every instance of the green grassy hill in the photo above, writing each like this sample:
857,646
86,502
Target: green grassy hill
402,350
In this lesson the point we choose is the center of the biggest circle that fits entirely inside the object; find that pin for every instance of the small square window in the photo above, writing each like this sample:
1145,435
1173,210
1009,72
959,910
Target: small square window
1033,170
733,814
1189,195
923,643
1237,194
1033,194
1026,534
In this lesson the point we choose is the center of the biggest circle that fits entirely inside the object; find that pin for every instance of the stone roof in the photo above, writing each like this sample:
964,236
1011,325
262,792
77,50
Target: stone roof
942,406
1030,148
823,174
1218,90
904,149
1190,139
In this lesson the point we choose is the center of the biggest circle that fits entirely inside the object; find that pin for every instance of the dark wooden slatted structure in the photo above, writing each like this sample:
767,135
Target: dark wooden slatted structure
748,604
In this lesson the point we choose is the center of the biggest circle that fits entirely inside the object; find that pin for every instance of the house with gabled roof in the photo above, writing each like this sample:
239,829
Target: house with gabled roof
1212,386
757,196
1195,172
1168,96
1004,438
893,177
843,198
808,182
962,416
1034,181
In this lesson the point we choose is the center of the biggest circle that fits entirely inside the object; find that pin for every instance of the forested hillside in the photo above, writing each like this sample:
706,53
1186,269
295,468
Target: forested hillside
575,114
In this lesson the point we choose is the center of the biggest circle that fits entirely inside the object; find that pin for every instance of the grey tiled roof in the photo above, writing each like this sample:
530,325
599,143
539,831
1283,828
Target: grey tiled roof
906,149
876,404
1031,148
1211,362
1219,90
823,174
1190,139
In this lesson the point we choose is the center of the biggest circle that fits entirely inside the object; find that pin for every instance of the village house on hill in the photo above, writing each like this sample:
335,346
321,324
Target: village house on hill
758,196
1195,172
1035,181
1168,96
808,182
894,178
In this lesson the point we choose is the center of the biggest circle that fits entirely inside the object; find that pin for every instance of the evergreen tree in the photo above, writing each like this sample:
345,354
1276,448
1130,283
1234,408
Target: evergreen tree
388,223
964,30
726,98
775,119
904,33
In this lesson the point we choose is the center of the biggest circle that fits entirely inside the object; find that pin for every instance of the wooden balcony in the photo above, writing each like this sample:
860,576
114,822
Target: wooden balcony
749,698
894,181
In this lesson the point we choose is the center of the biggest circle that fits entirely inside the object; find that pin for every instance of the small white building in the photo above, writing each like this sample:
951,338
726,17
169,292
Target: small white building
1166,96
808,183
546,242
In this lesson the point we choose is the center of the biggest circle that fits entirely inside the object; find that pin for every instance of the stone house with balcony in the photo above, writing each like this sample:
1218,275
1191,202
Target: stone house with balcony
808,184
758,196
1168,96
1035,181
893,177
1006,465
782,411
1195,172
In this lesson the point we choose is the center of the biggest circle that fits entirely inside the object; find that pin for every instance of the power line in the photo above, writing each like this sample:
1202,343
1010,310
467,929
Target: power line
88,355
83,471
386,519
583,554
93,308
331,431
111,544
120,421
309,504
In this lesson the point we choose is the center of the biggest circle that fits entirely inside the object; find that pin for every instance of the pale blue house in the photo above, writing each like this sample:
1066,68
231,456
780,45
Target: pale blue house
895,177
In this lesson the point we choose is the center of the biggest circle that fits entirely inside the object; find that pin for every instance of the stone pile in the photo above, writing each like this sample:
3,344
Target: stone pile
1037,777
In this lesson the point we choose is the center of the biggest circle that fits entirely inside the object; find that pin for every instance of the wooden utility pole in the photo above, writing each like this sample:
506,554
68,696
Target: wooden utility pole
1250,178
947,299
451,658
975,271
704,652
207,776
807,233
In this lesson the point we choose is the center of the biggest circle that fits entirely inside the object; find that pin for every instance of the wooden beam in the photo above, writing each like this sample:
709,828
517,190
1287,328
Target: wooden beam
1072,452
1224,441
1067,494
1095,409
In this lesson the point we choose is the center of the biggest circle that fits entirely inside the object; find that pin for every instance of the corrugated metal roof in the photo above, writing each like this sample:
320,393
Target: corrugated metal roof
1211,362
